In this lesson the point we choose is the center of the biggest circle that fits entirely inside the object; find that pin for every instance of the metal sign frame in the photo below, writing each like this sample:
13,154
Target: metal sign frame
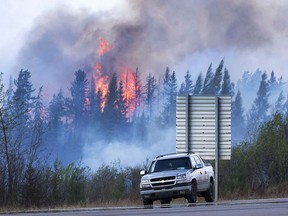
203,126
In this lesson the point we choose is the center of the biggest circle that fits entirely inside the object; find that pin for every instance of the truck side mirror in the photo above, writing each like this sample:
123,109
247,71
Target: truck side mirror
142,172
198,166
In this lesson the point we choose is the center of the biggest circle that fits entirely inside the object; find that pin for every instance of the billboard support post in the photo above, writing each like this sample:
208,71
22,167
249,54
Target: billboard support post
216,147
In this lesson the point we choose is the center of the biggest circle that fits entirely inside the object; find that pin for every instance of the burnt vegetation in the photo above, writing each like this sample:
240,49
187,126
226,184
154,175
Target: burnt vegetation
42,145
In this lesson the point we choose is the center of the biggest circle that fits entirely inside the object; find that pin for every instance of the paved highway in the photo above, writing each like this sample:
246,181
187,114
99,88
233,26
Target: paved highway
269,207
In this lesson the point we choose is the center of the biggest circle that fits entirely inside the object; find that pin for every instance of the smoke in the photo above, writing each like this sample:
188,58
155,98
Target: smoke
157,34
129,154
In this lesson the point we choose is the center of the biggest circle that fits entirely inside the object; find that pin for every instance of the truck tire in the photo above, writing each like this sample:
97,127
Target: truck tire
210,193
192,198
147,202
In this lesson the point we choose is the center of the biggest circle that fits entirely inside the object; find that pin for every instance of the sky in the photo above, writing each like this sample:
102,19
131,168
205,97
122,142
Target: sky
19,17
184,35
54,38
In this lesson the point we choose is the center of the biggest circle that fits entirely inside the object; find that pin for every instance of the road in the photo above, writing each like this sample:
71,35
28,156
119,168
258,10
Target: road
266,207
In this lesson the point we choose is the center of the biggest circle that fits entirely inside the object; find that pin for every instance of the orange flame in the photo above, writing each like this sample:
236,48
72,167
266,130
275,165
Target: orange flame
101,81
104,47
128,79
127,75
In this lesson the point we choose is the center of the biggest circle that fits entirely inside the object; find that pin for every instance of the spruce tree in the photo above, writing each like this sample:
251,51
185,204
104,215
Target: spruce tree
110,113
138,91
237,118
182,89
169,110
258,113
150,93
208,82
227,87
273,84
279,104
22,99
198,85
261,102
78,103
56,111
187,86
216,83
122,106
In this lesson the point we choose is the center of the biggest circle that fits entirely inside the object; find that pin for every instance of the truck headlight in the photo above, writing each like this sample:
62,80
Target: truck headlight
144,181
181,178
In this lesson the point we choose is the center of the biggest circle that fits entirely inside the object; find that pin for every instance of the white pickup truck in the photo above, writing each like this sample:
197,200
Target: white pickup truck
177,175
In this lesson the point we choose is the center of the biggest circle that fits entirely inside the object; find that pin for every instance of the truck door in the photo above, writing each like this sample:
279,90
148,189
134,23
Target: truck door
203,174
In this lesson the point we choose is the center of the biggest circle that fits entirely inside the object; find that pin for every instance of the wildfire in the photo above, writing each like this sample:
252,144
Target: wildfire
101,83
104,47
127,76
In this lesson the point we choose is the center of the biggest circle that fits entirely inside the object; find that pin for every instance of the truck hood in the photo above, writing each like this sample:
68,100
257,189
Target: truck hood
165,174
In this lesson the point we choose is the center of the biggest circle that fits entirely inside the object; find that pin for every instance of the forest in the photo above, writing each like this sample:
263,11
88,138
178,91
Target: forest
42,142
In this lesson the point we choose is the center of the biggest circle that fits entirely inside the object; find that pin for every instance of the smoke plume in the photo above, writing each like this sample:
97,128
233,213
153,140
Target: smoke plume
157,34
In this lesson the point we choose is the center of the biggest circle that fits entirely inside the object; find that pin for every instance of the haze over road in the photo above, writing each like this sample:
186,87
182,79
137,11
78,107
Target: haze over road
235,208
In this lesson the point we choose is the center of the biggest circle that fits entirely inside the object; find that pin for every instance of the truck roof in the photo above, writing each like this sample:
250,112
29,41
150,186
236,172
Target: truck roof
173,155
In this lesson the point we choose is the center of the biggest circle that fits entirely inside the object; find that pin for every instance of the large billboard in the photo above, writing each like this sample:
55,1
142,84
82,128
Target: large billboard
203,126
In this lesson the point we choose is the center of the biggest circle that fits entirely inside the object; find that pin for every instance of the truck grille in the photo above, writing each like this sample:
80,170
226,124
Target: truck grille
162,182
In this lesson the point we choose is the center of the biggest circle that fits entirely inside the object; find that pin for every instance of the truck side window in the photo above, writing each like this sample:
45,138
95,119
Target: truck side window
198,160
193,161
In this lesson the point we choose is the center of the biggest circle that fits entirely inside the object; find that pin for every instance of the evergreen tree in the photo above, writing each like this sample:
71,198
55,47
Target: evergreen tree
258,113
56,111
261,101
237,118
169,111
198,85
150,93
182,89
279,105
166,80
216,83
94,103
22,98
78,103
122,106
227,87
208,81
273,84
138,91
187,86
110,113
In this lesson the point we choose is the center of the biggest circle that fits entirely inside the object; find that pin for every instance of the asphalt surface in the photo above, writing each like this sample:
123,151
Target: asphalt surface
271,207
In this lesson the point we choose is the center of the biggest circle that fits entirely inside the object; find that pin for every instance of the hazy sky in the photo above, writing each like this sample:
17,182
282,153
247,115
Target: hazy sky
19,16
247,34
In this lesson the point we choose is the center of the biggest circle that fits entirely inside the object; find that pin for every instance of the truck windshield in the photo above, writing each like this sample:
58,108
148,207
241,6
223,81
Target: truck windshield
170,164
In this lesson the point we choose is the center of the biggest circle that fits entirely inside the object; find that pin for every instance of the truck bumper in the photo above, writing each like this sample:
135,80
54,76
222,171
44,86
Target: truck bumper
176,191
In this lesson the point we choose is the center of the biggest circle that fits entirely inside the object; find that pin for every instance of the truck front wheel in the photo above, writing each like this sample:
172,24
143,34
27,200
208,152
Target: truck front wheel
147,202
192,197
210,193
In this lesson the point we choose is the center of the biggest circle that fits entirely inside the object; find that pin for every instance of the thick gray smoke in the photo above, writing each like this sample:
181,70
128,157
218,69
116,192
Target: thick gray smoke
152,35
158,34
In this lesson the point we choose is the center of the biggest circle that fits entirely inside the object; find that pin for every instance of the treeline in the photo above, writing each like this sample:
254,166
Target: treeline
38,142
73,185
259,168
